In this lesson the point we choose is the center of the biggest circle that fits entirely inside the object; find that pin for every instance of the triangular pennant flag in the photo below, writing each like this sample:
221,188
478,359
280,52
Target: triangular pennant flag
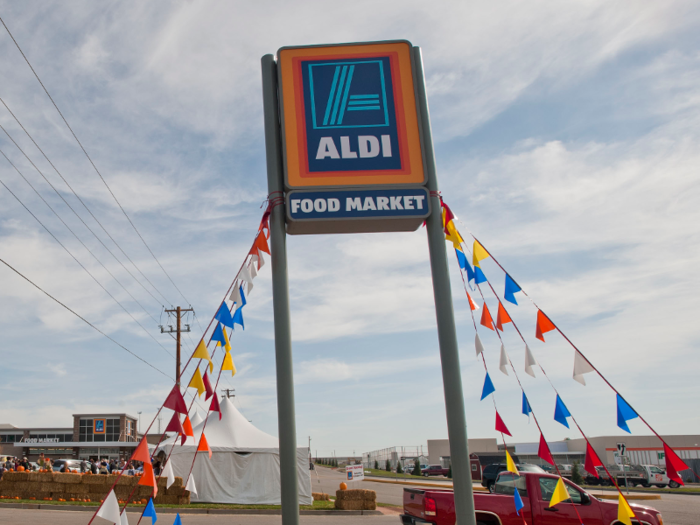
124,518
168,474
624,414
149,478
207,386
624,511
511,288
227,343
175,401
447,215
141,452
224,315
544,325
471,276
526,406
486,319
472,304
451,233
478,345
187,425
261,260
150,511
560,493
581,366
530,361
228,364
543,451
197,382
518,501
592,461
201,352
479,276
214,407
191,486
501,426
110,509
488,387
479,254
510,464
244,275
261,244
218,336
674,464
175,425
503,362
236,296
561,412
177,521
502,317
461,258
203,445
251,267
238,317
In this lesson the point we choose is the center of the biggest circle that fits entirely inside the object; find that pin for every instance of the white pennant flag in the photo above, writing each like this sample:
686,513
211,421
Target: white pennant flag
261,260
251,267
530,361
125,520
236,296
245,274
169,474
110,509
503,364
191,486
581,366
479,346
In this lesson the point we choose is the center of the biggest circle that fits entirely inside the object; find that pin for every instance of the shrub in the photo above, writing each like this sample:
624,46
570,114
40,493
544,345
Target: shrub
399,470
416,468
376,464
387,467
576,474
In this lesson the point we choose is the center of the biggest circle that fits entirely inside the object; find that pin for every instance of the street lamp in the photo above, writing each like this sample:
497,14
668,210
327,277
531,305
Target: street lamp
138,430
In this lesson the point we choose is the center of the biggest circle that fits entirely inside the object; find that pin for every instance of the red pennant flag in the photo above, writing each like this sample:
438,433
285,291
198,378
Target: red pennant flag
448,215
472,304
260,244
203,445
502,317
674,464
175,401
214,407
207,386
175,425
592,461
544,325
486,319
149,478
544,451
501,426
141,453
187,425
265,221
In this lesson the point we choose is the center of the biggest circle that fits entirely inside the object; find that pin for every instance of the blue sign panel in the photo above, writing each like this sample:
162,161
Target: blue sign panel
350,115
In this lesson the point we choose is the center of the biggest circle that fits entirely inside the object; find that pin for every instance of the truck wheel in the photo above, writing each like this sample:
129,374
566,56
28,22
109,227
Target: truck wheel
646,485
492,488
674,484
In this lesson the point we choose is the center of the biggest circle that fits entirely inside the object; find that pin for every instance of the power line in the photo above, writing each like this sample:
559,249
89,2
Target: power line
80,317
90,159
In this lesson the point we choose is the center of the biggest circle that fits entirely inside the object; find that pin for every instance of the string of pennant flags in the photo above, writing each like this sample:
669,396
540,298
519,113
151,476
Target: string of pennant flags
475,277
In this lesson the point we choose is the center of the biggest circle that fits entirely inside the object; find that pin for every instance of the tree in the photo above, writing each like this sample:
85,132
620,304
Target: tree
576,474
399,470
376,464
388,465
416,468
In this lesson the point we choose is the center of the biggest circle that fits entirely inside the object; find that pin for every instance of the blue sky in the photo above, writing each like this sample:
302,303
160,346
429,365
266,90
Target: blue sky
566,140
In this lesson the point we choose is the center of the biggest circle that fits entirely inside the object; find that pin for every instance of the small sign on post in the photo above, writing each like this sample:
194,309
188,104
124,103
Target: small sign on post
355,472
622,449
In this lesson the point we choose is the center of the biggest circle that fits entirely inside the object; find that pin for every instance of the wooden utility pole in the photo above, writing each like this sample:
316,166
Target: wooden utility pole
178,330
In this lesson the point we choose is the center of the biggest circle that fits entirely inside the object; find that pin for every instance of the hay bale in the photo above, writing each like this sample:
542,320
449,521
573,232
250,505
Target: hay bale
167,500
177,483
369,505
81,489
175,491
97,479
370,495
128,481
349,504
98,489
43,477
18,476
161,483
68,478
350,495
183,500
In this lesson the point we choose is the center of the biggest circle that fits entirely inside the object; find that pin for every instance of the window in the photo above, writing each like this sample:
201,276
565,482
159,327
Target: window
507,482
111,430
656,470
11,438
547,486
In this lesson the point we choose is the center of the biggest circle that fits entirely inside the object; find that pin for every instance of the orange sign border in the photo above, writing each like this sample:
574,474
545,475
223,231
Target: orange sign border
294,145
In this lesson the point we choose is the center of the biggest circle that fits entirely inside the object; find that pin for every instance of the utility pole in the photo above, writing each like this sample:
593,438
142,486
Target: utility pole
178,330
228,392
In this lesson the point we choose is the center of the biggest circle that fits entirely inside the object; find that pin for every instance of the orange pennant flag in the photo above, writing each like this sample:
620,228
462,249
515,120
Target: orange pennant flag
141,453
187,425
149,478
261,244
486,319
203,445
472,304
544,325
502,317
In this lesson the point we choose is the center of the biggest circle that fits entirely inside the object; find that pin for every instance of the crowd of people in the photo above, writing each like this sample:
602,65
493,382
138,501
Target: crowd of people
93,465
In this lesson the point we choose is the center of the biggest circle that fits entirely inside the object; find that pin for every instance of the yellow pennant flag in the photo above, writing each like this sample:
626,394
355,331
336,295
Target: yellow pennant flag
510,464
202,353
197,382
228,364
454,235
624,512
560,494
480,253
228,343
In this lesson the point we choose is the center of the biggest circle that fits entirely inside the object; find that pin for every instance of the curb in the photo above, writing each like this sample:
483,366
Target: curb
419,484
173,510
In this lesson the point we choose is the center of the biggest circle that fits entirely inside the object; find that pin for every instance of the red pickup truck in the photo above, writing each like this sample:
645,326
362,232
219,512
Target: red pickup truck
423,507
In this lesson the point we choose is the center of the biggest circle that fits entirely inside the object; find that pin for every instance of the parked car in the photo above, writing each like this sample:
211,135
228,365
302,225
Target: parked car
436,507
435,470
71,465
490,472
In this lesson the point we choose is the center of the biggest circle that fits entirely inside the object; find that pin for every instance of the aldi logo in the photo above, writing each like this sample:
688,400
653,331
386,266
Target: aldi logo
350,116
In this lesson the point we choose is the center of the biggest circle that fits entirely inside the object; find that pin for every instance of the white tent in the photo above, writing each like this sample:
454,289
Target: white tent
245,463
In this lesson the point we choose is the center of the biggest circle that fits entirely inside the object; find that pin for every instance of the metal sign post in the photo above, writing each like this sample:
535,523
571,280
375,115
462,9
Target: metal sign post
622,450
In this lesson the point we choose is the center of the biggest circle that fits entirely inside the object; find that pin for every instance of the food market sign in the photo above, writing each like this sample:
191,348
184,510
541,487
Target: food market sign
350,120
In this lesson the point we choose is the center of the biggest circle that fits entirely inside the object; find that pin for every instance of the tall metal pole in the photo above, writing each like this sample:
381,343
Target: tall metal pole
177,358
447,335
280,299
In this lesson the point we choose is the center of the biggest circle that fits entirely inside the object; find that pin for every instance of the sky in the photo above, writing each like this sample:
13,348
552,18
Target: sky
566,139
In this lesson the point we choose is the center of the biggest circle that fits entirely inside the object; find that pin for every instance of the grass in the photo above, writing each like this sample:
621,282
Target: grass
317,505
384,474
680,490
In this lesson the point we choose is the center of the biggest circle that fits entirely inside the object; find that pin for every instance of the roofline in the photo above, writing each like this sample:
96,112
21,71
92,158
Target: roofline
107,415
86,444
68,430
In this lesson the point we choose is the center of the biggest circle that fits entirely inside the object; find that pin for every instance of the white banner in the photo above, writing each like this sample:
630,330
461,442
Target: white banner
355,472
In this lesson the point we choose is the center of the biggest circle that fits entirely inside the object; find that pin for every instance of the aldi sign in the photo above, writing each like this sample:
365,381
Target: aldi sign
349,116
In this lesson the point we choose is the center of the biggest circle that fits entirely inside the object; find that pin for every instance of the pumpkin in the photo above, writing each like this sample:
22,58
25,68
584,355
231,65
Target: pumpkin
343,486
20,469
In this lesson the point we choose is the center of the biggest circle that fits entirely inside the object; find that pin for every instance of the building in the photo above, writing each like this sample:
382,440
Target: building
394,455
110,436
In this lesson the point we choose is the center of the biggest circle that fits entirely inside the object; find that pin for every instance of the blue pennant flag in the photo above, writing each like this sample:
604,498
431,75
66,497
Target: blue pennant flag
150,511
243,301
479,274
526,406
461,258
561,412
624,414
218,335
518,502
511,288
238,317
224,316
177,519
488,387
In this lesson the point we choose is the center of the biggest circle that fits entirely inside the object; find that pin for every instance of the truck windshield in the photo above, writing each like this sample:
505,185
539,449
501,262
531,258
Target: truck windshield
547,486
507,482
656,470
